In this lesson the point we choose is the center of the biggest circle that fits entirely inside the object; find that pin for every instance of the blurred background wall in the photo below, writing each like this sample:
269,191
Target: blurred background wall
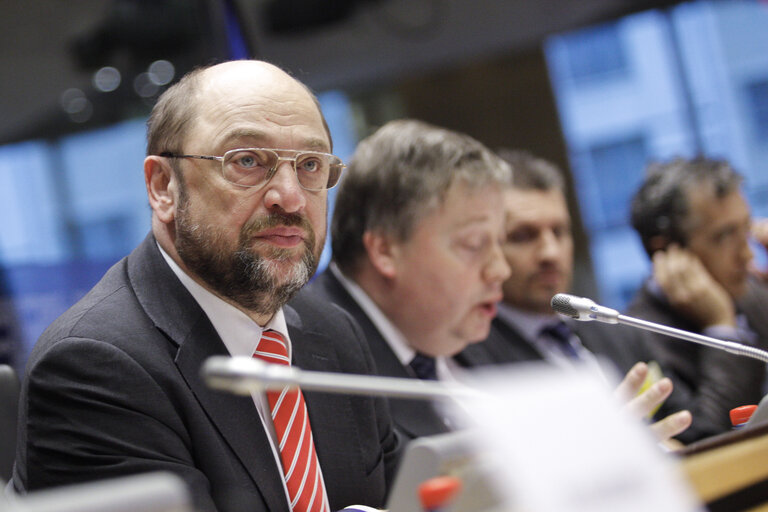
598,86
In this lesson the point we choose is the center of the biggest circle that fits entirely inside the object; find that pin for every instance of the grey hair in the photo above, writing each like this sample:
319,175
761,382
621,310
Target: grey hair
172,114
660,208
400,174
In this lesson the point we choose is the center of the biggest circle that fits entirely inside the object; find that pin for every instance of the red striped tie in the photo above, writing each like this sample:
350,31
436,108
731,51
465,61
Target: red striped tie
303,478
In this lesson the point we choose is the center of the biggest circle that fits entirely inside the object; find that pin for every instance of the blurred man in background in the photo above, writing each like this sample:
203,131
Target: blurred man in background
417,258
694,223
538,248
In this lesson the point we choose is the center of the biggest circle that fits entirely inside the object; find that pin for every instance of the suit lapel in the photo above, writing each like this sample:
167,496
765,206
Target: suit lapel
753,305
331,415
235,417
505,344
176,314
414,417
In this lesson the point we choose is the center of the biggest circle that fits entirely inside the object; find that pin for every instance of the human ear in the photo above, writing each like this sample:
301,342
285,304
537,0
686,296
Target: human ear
162,186
382,253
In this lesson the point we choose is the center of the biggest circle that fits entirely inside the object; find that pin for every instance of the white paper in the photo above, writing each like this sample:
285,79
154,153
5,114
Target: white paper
560,441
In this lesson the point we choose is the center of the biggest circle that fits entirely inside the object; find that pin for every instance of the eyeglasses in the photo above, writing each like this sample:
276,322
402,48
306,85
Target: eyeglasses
254,167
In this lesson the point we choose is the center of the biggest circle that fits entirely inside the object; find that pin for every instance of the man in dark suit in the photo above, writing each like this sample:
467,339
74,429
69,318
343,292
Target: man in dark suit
113,387
416,253
538,248
694,223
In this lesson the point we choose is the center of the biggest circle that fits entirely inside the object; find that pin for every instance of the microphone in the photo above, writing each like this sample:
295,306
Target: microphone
585,310
243,375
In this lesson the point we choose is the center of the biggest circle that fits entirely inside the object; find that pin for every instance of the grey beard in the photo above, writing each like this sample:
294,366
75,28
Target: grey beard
267,294
245,278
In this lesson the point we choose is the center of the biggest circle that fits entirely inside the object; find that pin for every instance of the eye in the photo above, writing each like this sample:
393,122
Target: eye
249,159
310,164
246,161
561,232
724,235
475,244
522,235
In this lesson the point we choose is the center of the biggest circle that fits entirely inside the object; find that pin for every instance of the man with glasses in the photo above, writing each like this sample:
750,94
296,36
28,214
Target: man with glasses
237,174
694,223
417,260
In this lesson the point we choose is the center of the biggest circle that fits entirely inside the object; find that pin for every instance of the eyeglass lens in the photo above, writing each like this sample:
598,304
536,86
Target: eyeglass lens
253,167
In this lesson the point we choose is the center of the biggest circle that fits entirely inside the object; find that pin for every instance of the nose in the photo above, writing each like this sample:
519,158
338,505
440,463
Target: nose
496,269
746,252
550,245
283,190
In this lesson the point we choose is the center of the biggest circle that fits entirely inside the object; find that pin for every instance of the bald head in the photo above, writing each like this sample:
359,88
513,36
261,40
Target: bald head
179,106
247,76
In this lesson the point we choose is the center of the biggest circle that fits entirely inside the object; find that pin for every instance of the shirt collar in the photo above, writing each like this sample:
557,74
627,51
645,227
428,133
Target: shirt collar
527,323
447,368
391,334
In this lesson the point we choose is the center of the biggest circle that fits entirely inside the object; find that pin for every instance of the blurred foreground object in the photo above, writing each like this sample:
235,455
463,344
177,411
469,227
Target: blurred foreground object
728,471
149,492
558,440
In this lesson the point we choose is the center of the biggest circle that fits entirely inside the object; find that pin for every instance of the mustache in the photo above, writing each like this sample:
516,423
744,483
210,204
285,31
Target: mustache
548,268
275,219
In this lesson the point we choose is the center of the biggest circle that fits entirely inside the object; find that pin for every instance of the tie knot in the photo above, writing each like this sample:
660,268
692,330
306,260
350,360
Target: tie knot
557,330
272,348
561,335
424,366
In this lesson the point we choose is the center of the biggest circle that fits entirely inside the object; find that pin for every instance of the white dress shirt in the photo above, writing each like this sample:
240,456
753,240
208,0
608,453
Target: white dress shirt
447,369
240,335
530,325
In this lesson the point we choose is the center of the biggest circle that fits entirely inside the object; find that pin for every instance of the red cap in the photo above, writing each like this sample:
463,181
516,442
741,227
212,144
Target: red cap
741,414
438,491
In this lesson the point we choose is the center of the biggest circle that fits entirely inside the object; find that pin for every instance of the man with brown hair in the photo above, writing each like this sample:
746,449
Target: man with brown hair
237,173
694,223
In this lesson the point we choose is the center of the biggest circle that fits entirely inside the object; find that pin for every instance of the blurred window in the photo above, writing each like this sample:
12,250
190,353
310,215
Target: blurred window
595,54
611,163
687,86
757,96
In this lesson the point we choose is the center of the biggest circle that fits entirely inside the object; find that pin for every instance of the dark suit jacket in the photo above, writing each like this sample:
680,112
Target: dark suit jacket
709,382
113,387
620,345
414,418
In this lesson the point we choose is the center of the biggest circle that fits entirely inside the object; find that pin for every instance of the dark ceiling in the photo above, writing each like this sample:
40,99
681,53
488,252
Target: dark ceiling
51,46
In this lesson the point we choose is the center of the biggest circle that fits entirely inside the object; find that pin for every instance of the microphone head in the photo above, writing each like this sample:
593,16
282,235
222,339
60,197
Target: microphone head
561,304
242,374
583,309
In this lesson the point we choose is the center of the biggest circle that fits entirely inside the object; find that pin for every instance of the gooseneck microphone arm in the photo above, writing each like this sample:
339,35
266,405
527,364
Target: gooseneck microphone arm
242,375
585,310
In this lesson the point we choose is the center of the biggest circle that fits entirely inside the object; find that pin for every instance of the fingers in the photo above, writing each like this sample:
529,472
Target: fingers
759,231
649,400
652,397
661,269
680,274
672,270
672,425
690,289
632,382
